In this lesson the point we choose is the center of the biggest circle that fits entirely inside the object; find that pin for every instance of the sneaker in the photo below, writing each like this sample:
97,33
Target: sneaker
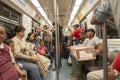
72,72
69,64
75,78
54,69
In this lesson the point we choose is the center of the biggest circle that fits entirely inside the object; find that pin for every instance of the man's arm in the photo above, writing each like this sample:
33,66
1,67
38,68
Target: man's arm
99,48
113,73
101,13
94,21
117,56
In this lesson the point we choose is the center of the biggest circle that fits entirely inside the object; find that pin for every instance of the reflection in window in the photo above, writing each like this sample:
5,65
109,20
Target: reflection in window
10,29
4,11
8,14
14,16
112,32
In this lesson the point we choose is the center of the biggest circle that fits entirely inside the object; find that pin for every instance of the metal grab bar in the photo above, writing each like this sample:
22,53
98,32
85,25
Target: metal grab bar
57,38
110,22
105,52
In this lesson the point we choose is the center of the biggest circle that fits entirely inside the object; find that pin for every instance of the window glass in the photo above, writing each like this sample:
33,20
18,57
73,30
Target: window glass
4,11
112,32
14,16
10,29
8,14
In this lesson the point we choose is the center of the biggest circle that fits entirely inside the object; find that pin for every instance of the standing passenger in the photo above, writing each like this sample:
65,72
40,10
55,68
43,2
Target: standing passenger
77,34
60,44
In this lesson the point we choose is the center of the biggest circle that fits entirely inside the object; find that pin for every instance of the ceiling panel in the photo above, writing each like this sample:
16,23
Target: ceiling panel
65,7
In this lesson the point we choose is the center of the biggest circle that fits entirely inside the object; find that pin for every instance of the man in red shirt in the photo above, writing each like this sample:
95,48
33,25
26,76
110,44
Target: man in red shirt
77,33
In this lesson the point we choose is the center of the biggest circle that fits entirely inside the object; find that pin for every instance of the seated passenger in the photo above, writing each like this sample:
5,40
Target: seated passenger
26,60
42,49
113,71
7,68
76,65
42,62
22,74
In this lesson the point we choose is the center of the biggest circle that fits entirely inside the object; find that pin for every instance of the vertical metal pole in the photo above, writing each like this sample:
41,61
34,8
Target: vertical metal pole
56,36
58,30
105,51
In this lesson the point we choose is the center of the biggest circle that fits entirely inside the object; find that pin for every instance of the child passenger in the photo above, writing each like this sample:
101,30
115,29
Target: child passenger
42,49
22,74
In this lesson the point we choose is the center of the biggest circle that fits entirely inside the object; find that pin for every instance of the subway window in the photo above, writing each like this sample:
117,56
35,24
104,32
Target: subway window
4,11
8,14
15,16
10,29
111,30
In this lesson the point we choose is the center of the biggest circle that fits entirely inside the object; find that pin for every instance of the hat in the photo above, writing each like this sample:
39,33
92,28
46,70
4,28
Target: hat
76,25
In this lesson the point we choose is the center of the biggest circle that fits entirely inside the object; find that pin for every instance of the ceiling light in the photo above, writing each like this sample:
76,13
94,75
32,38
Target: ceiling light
75,10
42,12
40,9
78,2
36,3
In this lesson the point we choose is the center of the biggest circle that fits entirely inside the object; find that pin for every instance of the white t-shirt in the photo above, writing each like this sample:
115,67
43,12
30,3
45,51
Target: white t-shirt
94,41
86,41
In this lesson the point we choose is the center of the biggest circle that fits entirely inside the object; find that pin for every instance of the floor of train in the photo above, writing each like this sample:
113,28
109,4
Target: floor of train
63,73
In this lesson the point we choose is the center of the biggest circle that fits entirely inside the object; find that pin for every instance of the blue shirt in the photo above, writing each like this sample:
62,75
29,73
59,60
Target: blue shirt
36,43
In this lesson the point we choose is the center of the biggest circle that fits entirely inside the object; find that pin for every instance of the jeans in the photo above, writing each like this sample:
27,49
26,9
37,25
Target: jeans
59,59
31,68
77,67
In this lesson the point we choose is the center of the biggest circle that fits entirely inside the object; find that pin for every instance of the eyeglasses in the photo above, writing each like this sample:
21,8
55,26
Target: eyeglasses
1,32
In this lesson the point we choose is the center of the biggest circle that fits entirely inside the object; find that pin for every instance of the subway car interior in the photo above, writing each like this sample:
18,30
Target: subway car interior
59,40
